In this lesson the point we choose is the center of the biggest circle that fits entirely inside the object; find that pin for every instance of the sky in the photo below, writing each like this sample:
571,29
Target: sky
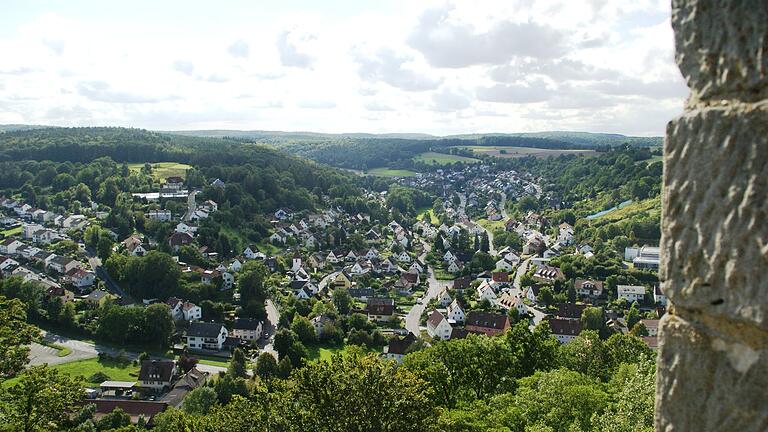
393,66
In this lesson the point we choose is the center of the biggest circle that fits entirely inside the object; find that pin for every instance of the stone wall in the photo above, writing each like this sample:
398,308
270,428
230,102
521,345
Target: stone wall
713,352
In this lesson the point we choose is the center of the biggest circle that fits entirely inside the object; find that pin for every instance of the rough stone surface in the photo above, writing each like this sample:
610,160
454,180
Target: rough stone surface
722,48
715,230
709,383
713,353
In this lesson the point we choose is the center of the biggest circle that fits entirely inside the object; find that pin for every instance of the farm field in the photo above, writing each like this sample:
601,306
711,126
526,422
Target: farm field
518,152
386,172
162,170
432,158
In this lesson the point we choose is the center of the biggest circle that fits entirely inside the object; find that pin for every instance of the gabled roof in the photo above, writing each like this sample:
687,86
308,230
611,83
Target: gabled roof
435,318
400,346
567,327
246,324
487,320
205,330
570,310
156,370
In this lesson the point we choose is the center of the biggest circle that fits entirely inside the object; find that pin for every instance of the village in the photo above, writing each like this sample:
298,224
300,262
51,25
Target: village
440,278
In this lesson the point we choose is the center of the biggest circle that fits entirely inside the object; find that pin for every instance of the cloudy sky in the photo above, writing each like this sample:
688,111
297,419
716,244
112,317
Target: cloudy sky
341,65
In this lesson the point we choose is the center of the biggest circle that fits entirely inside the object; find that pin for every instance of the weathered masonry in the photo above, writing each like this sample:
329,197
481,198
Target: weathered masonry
713,356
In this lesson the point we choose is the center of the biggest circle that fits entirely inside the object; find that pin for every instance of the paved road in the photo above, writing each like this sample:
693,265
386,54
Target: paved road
521,270
102,274
503,205
413,318
270,327
81,350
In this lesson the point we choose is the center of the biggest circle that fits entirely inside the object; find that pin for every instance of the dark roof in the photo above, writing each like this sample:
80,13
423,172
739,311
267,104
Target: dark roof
500,276
569,327
190,381
459,333
570,310
411,277
462,282
399,346
179,239
487,320
203,329
435,318
297,284
246,324
360,292
134,408
380,306
156,370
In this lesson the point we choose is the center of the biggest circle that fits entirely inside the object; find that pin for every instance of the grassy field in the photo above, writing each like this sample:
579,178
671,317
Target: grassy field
325,353
161,170
490,225
432,158
651,205
518,152
12,231
386,172
429,215
651,160
117,371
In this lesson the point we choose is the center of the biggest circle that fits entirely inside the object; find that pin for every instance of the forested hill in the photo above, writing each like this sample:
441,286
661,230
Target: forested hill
365,151
268,176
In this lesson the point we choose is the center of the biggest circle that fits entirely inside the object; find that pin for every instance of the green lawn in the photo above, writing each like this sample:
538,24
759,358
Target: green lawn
386,172
324,353
432,158
117,371
428,213
12,231
490,225
651,205
162,170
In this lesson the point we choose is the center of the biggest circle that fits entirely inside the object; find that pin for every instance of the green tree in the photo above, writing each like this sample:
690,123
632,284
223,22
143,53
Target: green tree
40,400
15,336
586,354
266,366
546,295
114,420
200,400
304,329
237,364
633,316
592,318
342,300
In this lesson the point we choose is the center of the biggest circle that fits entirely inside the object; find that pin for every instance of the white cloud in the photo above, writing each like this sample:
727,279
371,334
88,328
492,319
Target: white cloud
239,49
289,52
389,67
457,67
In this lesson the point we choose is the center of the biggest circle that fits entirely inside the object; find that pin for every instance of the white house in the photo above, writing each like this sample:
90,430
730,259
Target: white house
485,292
504,265
455,312
658,296
404,257
454,266
438,326
157,374
444,298
9,246
252,252
565,330
631,293
247,329
82,278
206,336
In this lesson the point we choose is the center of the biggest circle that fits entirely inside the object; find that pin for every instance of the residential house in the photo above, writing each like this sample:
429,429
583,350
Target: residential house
504,265
547,274
444,298
486,292
160,215
343,280
500,278
461,283
253,252
380,309
9,246
631,293
658,296
98,297
488,323
157,375
134,246
59,293
179,239
570,310
508,301
247,329
398,347
565,330
455,312
438,326
652,325
588,287
455,266
321,323
532,293
206,336
404,257
63,265
77,221
81,278
209,276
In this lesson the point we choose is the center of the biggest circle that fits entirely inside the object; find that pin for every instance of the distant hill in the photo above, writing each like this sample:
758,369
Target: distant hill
584,139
